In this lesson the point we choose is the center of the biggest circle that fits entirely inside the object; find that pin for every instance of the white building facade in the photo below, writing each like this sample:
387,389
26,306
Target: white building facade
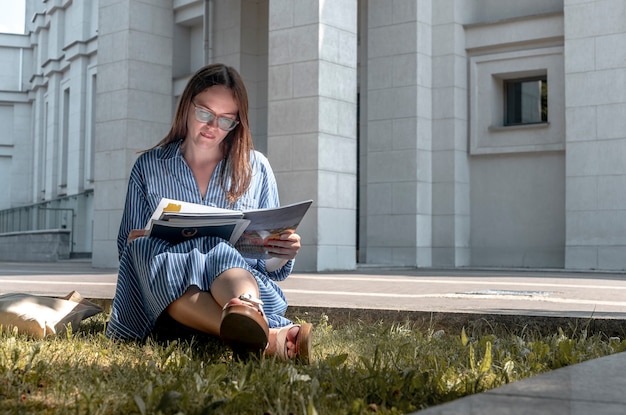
448,133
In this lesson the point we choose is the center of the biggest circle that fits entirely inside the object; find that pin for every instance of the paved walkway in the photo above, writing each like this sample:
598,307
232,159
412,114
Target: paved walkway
594,387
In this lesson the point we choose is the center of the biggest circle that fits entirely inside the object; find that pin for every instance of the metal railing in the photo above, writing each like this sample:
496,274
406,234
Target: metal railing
58,213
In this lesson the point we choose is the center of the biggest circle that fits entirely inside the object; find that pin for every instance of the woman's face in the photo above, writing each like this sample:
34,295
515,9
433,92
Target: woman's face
216,107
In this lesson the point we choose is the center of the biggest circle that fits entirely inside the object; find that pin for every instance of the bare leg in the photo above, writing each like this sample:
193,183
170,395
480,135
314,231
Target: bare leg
198,310
202,310
232,283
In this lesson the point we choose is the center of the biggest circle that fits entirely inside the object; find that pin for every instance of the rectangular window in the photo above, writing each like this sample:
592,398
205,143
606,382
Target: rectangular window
90,133
63,160
43,155
525,101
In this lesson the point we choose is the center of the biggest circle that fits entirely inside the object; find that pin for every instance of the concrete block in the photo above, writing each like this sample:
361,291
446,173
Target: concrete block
580,55
581,193
595,88
404,199
582,124
281,14
392,103
347,120
379,14
336,258
383,40
152,78
337,81
305,13
424,198
148,106
404,134
379,71
298,185
151,18
443,230
444,197
611,156
295,152
596,228
379,255
341,14
612,258
337,154
296,116
609,53
378,133
392,230
346,124
38,246
607,196
104,254
379,198
306,80
114,17
583,158
610,120
280,81
336,227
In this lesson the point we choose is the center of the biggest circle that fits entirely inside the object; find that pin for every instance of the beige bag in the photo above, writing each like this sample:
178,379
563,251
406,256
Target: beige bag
40,316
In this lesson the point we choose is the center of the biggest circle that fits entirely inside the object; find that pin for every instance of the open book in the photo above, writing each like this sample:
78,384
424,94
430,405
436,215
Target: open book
176,221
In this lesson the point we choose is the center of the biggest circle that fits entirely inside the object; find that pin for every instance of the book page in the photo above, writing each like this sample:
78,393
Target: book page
269,223
171,207
176,221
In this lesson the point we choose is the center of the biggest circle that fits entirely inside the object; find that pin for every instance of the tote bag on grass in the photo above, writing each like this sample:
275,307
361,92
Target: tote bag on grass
40,316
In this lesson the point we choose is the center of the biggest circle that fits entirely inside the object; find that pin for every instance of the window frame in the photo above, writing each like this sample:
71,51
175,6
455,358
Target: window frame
488,133
543,98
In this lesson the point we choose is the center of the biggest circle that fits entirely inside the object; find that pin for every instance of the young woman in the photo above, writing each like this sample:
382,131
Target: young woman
205,284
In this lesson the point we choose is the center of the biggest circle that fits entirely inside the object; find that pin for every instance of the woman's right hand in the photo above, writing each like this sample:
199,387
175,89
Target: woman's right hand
136,233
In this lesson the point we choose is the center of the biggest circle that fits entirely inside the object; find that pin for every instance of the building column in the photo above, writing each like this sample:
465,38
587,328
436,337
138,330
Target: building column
399,134
595,34
51,132
239,32
21,155
76,130
134,105
451,194
312,123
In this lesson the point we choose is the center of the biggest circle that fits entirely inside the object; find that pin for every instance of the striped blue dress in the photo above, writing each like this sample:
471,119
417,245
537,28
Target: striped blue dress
153,273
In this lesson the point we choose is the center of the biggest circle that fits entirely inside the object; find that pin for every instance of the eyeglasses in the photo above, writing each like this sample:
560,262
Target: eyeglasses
204,116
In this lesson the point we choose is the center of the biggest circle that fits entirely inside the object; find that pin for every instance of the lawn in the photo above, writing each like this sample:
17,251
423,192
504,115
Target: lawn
361,365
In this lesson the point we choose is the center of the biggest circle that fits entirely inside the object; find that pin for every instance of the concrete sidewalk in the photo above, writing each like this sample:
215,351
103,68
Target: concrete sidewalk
593,387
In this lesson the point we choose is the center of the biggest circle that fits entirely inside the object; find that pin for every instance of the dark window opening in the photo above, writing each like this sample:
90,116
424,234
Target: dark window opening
526,101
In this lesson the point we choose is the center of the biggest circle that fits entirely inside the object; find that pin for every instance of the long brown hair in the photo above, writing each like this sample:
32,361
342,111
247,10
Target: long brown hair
237,145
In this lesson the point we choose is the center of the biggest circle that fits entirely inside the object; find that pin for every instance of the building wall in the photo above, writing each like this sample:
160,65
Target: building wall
517,184
595,109
451,205
134,105
312,123
430,178
398,137
15,112
43,103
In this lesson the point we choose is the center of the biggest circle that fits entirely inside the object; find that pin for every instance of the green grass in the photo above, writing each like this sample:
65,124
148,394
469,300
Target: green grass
359,368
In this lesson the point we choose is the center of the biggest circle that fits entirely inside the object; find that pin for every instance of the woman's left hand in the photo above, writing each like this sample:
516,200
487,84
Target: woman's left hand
284,247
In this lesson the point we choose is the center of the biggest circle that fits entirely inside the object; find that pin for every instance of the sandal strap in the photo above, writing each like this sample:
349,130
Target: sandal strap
281,343
256,302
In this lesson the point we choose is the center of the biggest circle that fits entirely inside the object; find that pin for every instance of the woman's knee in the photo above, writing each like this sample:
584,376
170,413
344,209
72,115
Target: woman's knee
237,274
181,302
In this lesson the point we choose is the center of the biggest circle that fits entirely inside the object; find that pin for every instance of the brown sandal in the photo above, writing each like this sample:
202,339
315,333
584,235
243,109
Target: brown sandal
244,327
303,343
